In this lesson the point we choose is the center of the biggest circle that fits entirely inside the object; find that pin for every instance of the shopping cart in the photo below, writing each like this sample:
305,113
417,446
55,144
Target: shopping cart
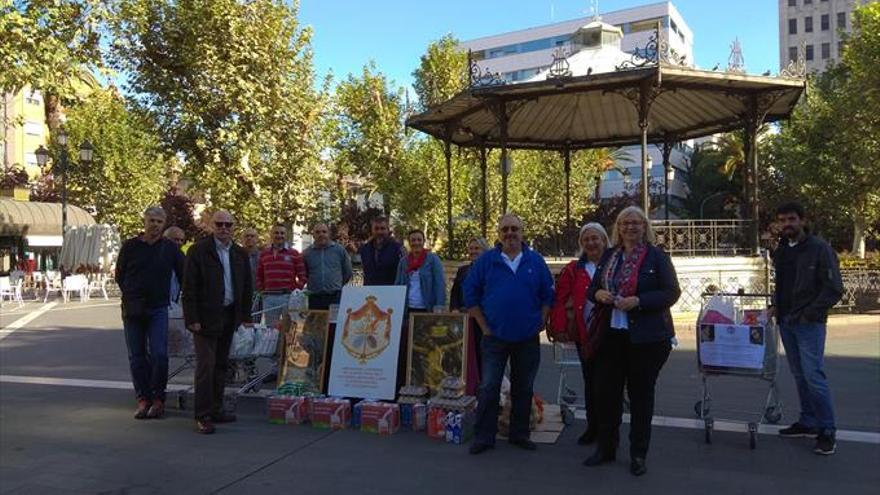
244,371
735,337
565,355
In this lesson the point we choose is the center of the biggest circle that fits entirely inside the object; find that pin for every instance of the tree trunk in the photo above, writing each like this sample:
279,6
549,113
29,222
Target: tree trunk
858,244
52,107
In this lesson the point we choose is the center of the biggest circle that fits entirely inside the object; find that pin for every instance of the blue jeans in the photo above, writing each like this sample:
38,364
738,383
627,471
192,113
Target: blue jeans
805,348
525,357
147,340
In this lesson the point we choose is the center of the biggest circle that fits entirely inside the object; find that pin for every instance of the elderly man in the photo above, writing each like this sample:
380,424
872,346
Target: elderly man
250,243
328,266
144,269
217,296
509,292
280,271
178,237
381,254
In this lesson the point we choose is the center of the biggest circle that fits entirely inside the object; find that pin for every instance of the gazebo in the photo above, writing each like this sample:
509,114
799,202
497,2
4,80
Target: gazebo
592,95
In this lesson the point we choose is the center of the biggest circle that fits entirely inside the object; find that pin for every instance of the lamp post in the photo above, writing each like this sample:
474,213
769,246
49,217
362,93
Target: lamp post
670,176
86,153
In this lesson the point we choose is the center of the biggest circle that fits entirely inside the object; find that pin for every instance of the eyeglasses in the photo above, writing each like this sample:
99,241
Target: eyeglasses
179,241
509,228
223,225
631,224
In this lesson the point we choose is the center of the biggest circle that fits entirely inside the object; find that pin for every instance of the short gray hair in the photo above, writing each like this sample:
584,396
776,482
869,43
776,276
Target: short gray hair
155,211
592,226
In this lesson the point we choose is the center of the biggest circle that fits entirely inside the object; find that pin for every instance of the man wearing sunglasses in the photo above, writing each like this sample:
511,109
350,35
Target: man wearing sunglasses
217,295
509,292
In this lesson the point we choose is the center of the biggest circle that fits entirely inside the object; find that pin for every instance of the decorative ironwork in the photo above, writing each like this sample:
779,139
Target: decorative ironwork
480,77
703,237
646,56
560,67
735,62
796,69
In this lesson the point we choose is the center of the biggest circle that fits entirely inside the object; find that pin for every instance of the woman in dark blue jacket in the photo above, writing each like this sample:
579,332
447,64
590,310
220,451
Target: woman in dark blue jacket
633,289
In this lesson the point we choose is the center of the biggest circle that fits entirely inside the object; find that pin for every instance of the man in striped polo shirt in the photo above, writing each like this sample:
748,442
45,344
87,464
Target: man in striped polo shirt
280,270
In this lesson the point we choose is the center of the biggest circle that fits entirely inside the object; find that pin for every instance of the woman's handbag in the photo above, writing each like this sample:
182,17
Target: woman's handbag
597,325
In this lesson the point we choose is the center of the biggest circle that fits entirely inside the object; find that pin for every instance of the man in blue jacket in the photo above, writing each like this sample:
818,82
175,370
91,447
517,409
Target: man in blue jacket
509,292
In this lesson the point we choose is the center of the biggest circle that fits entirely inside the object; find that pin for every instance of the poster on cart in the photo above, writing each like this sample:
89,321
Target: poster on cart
437,348
367,342
732,346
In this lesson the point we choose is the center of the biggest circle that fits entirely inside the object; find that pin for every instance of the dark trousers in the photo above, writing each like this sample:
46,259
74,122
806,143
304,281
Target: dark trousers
212,364
146,338
525,357
323,301
588,372
621,363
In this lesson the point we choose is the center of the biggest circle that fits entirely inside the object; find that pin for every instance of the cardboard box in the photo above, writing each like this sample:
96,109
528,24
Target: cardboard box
436,425
285,409
413,417
380,417
331,413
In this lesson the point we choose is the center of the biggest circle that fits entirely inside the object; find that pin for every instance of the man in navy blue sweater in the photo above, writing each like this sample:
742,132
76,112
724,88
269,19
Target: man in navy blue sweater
509,292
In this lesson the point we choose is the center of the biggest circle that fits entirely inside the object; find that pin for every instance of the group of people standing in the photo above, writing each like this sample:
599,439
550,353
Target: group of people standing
613,302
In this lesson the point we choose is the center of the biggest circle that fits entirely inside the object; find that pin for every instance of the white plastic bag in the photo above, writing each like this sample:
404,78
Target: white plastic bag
265,340
180,340
297,304
242,343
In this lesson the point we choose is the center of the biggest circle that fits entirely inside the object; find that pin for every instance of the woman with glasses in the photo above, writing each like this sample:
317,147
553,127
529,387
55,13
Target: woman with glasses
633,289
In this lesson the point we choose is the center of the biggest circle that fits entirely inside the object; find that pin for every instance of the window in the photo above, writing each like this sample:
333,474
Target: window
824,22
826,50
792,26
792,3
808,2
841,20
808,24
809,52
33,128
31,159
792,54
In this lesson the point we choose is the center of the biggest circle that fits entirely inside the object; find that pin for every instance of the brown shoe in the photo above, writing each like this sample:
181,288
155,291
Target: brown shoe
224,417
205,426
143,409
157,409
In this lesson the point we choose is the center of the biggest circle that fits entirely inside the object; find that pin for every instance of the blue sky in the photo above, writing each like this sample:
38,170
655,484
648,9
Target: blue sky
395,33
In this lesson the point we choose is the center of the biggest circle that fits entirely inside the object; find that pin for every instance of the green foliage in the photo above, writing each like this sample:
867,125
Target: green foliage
232,87
128,171
442,72
46,43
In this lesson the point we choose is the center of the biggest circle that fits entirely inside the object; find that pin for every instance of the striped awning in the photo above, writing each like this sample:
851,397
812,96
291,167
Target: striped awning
27,218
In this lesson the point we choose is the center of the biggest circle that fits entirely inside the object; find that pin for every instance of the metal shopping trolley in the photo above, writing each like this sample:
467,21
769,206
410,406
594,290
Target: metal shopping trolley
565,355
735,337
244,370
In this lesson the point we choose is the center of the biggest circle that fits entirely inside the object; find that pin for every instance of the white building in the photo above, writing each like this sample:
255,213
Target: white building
817,24
521,55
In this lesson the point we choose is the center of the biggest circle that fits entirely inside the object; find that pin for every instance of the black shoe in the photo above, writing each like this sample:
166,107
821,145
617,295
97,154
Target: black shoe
479,448
637,466
524,444
601,456
825,444
588,437
798,430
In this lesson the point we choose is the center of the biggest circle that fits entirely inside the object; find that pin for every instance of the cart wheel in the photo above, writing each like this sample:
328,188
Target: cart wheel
181,401
773,414
708,429
567,415
701,405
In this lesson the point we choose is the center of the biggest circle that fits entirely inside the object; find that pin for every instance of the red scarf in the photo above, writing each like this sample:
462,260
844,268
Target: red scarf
622,282
414,262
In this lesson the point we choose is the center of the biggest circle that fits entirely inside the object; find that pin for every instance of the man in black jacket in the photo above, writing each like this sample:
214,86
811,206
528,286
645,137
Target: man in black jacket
808,284
217,295
143,272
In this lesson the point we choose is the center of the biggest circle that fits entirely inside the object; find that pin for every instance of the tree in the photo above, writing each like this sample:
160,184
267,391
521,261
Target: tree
51,46
180,213
442,72
232,87
128,170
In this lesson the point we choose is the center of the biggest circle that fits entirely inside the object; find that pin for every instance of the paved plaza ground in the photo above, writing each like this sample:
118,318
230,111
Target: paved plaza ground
66,427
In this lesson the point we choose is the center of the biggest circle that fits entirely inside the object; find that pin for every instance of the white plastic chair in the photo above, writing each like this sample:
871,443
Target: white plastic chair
99,283
75,283
53,284
11,291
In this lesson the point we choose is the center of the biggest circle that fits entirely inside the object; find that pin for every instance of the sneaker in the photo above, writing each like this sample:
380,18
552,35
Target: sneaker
157,409
142,409
825,444
798,430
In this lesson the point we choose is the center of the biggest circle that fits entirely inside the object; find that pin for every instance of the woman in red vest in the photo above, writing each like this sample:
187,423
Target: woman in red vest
570,312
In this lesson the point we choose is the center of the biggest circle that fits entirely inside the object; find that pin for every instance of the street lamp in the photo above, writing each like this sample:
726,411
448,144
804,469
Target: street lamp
86,153
670,176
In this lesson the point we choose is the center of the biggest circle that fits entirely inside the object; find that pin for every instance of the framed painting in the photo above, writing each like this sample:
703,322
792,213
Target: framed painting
437,348
305,351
